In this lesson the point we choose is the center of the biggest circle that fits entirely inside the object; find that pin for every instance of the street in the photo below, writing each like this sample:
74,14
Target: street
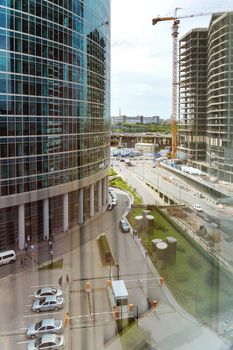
91,321
212,215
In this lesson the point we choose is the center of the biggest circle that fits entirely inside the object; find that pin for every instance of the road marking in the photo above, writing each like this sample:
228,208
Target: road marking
39,314
22,342
45,285
11,333
83,290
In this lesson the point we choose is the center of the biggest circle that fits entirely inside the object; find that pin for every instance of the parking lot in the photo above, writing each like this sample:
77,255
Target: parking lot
16,295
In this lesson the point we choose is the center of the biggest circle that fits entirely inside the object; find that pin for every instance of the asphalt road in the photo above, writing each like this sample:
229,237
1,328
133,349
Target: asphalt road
143,171
82,262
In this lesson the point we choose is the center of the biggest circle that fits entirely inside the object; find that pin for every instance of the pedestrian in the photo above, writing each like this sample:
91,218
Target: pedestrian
25,246
22,262
53,236
60,281
67,278
146,253
50,245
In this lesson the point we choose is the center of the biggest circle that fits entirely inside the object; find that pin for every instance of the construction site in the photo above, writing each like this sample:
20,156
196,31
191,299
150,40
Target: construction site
202,112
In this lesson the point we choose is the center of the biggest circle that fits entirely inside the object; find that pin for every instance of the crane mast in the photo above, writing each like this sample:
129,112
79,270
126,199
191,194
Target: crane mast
175,28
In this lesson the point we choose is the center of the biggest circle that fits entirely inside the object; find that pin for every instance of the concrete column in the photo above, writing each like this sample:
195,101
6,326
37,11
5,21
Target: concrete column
104,190
65,212
100,195
92,200
80,218
21,225
46,218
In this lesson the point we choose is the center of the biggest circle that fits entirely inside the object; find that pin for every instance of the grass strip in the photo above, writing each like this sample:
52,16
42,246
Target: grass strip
105,250
58,264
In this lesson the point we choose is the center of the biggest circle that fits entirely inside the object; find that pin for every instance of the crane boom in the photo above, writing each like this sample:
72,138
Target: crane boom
174,18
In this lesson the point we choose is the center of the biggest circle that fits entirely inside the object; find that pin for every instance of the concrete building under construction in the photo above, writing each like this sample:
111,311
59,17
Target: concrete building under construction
205,136
192,95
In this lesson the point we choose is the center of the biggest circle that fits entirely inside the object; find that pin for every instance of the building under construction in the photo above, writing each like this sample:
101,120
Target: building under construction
192,95
205,125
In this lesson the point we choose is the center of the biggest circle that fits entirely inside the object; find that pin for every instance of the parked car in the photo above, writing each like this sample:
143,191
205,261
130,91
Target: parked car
124,225
114,201
53,303
47,291
197,207
47,342
7,257
43,327
109,206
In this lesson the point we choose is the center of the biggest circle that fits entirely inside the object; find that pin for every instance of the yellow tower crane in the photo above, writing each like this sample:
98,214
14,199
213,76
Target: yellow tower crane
175,28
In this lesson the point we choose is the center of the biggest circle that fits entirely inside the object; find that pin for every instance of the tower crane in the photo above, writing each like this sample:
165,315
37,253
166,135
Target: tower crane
175,33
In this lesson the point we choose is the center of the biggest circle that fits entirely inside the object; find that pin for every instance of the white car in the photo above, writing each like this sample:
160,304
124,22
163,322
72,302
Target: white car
114,201
43,327
197,207
46,342
47,291
48,303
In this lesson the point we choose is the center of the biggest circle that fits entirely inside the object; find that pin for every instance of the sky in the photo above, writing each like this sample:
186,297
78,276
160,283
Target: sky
141,54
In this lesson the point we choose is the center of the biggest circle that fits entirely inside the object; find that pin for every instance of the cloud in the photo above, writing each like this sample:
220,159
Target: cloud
141,56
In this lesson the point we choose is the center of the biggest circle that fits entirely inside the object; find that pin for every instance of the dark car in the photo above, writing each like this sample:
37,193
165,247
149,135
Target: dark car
124,225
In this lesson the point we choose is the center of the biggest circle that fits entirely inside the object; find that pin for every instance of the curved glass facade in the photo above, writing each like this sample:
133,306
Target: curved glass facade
54,93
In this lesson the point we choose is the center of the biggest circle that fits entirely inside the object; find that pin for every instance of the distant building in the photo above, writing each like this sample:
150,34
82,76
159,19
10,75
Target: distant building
149,120
139,119
145,147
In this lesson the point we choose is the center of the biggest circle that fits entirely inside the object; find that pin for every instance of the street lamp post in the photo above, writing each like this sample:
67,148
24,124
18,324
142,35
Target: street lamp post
110,270
32,256
51,256
143,163
118,271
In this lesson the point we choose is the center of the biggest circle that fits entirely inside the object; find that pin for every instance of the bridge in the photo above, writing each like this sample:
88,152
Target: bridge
129,140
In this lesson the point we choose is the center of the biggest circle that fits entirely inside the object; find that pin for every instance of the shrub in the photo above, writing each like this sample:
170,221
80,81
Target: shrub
112,172
194,262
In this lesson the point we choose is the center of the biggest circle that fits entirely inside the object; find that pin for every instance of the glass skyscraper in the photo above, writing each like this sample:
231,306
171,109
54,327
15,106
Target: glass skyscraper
54,115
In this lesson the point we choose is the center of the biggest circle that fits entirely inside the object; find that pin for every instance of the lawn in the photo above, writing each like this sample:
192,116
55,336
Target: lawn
134,337
196,281
112,172
58,264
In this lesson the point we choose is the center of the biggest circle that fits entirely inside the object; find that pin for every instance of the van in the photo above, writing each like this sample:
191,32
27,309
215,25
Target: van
7,257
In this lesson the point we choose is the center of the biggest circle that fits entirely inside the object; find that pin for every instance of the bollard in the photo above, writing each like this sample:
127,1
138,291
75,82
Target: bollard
67,319
154,304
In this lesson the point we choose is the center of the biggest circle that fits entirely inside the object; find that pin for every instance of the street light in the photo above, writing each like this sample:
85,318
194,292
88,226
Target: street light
32,256
118,271
51,255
